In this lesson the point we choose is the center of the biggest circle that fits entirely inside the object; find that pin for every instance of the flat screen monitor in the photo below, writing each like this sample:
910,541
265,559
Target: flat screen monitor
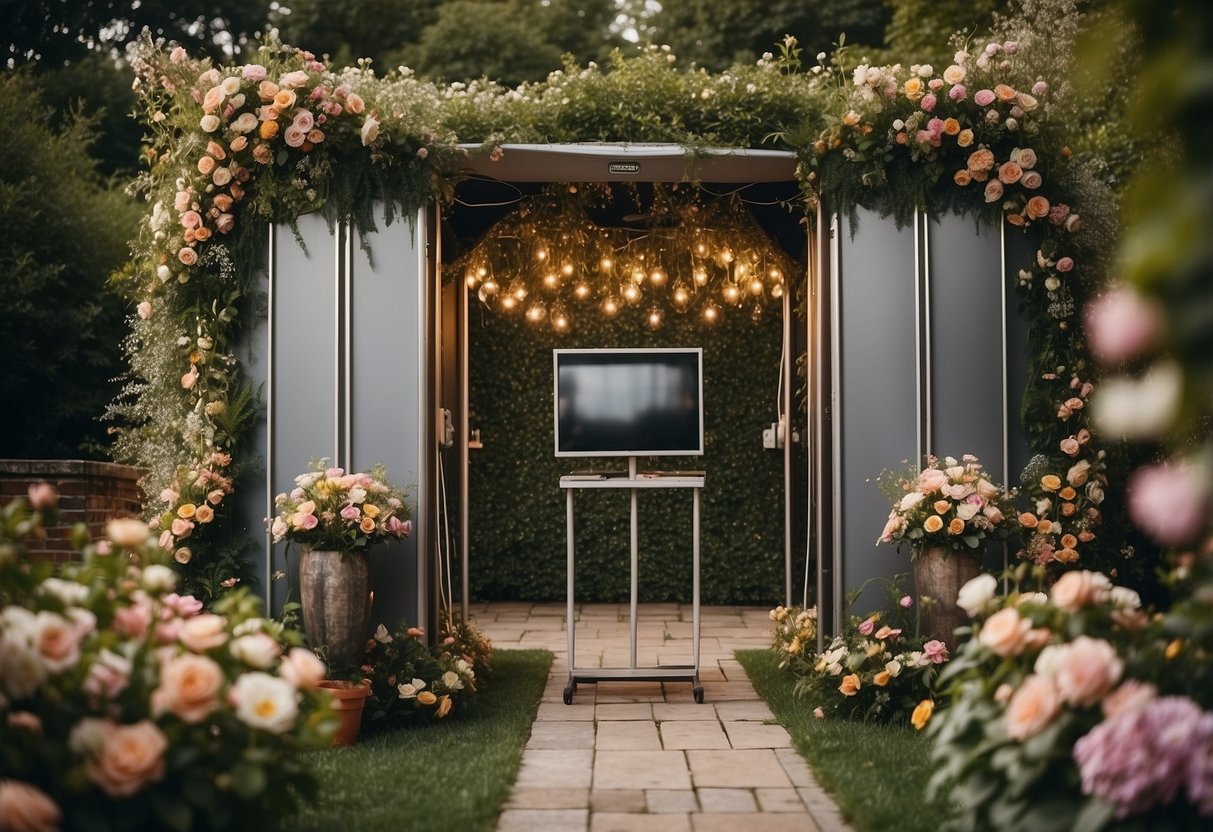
629,402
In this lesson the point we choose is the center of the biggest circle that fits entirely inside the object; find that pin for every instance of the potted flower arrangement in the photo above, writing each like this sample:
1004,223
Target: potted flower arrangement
943,513
336,517
126,705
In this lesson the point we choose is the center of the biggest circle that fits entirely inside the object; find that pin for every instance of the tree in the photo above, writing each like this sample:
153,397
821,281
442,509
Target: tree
62,232
474,38
919,30
718,33
347,30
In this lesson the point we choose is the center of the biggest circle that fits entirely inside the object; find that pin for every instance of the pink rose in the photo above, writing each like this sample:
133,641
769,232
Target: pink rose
177,55
302,669
1121,324
133,621
931,480
1079,588
182,200
958,92
294,137
56,640
1169,501
42,495
906,601
189,688
308,522
936,651
1130,697
868,625
1032,708
894,524
203,632
224,223
1089,670
26,808
1070,446
983,97
144,310
187,256
993,191
181,527
295,79
303,120
253,72
1005,632
928,102
213,98
1031,180
129,758
1010,173
1065,264
887,632
350,513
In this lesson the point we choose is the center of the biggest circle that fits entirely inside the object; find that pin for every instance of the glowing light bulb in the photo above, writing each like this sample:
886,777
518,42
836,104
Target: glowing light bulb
471,279
536,313
681,296
606,264
701,248
657,276
560,319
711,313
551,280
740,270
700,276
581,291
508,304
567,269
776,275
541,255
638,275
726,256
731,293
482,272
631,293
610,307
518,291
653,318
756,286
490,287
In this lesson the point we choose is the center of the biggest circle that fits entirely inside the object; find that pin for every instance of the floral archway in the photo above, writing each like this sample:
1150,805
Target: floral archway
233,148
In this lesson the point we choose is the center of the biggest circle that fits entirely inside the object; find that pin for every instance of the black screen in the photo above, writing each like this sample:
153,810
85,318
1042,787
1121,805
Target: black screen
628,403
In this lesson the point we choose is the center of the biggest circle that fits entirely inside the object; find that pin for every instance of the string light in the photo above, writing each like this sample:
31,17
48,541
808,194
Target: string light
689,247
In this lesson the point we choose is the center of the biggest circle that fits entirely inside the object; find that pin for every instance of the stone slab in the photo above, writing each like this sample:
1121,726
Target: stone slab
641,770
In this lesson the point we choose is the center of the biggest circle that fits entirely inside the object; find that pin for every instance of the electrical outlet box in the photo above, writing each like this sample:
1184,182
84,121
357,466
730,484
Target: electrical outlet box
771,438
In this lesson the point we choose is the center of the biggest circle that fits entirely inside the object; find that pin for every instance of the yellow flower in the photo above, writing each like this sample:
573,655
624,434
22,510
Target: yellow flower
1050,482
370,510
444,706
187,510
964,138
882,678
922,714
850,685
1173,649
426,698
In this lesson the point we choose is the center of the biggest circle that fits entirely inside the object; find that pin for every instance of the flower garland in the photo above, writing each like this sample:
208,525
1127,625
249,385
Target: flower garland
235,147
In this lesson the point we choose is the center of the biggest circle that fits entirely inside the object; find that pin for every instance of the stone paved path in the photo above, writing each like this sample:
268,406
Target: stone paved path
636,756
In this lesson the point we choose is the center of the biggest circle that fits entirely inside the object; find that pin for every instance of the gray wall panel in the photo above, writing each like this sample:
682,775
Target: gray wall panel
386,389
965,270
254,501
305,353
877,395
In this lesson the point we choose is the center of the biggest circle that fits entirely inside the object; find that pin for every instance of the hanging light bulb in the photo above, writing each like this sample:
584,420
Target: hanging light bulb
551,280
560,318
657,276
739,271
610,306
582,290
567,269
725,256
653,319
777,291
711,313
682,296
535,312
776,275
518,290
700,275
631,293
470,279
638,274
490,286
541,254
701,248
606,264
756,286
508,303
732,294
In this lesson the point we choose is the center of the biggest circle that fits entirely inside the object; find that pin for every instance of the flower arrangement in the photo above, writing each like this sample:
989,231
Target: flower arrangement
330,509
410,681
949,503
123,704
873,671
1074,709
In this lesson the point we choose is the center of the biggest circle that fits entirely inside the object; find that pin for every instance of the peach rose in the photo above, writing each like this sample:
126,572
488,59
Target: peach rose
266,90
1009,172
1077,589
1069,446
268,129
426,698
993,191
1037,207
189,688
954,74
942,506
964,138
1004,93
1005,632
1028,520
367,525
354,104
203,632
130,757
951,126
933,524
882,678
1090,670
1050,482
956,526
850,685
922,714
444,706
302,669
962,178
26,808
981,159
1032,708
1078,473
1068,509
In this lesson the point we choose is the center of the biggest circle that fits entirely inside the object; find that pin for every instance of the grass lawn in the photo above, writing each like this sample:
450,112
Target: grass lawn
877,774
451,775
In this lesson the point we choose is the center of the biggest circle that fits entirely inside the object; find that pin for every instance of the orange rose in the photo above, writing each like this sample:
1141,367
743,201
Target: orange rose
189,688
206,165
426,698
951,126
913,88
850,685
367,525
268,129
1065,556
851,118
284,99
186,510
1069,541
1067,493
130,757
962,178
1028,520
933,524
1037,207
957,526
1046,526
942,506
1068,509
922,714
1004,93
1050,482
882,678
205,513
444,706
981,159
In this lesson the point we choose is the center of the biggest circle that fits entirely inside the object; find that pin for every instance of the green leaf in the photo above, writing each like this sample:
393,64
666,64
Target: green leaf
248,779
173,813
1094,815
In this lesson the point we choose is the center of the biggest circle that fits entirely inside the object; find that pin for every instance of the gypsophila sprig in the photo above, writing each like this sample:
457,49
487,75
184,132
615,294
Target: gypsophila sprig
332,510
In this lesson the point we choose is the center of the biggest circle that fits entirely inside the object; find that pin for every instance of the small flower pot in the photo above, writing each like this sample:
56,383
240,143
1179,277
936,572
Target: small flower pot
349,698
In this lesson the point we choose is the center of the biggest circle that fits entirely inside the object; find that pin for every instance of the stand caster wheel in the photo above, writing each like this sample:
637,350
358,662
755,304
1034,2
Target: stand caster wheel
568,696
697,692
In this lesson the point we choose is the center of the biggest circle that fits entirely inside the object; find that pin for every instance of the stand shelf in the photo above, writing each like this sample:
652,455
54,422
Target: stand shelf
635,482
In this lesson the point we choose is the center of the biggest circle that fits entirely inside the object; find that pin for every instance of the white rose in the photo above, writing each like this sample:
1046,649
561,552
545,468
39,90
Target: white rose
158,578
1125,598
257,650
209,123
976,593
370,131
452,681
127,532
21,672
910,500
967,511
266,702
893,668
69,593
409,690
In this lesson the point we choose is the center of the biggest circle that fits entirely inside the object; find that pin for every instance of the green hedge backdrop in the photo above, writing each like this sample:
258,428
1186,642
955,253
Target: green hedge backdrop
517,511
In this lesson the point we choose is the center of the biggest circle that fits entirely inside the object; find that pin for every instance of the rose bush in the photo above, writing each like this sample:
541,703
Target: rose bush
124,706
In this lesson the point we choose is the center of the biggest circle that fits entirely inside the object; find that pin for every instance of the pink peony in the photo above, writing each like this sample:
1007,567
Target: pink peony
1121,324
936,651
983,97
906,601
203,632
1005,632
928,102
42,495
1089,670
302,669
1079,588
1169,501
1032,707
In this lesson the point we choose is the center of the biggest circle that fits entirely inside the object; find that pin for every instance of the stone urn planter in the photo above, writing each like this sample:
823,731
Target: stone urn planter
939,573
335,596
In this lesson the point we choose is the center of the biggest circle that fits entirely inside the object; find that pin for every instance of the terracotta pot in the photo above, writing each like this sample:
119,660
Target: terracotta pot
335,595
349,699
939,573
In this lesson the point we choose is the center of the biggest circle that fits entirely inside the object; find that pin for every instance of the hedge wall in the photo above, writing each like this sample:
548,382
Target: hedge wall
517,522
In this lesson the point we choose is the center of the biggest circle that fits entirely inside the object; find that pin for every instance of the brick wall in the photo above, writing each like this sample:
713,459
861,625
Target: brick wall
89,492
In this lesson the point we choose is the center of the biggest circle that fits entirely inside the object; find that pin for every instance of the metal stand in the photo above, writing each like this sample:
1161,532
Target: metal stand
635,482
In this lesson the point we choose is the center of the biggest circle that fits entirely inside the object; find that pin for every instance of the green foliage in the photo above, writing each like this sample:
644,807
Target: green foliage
518,521
918,29
62,231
